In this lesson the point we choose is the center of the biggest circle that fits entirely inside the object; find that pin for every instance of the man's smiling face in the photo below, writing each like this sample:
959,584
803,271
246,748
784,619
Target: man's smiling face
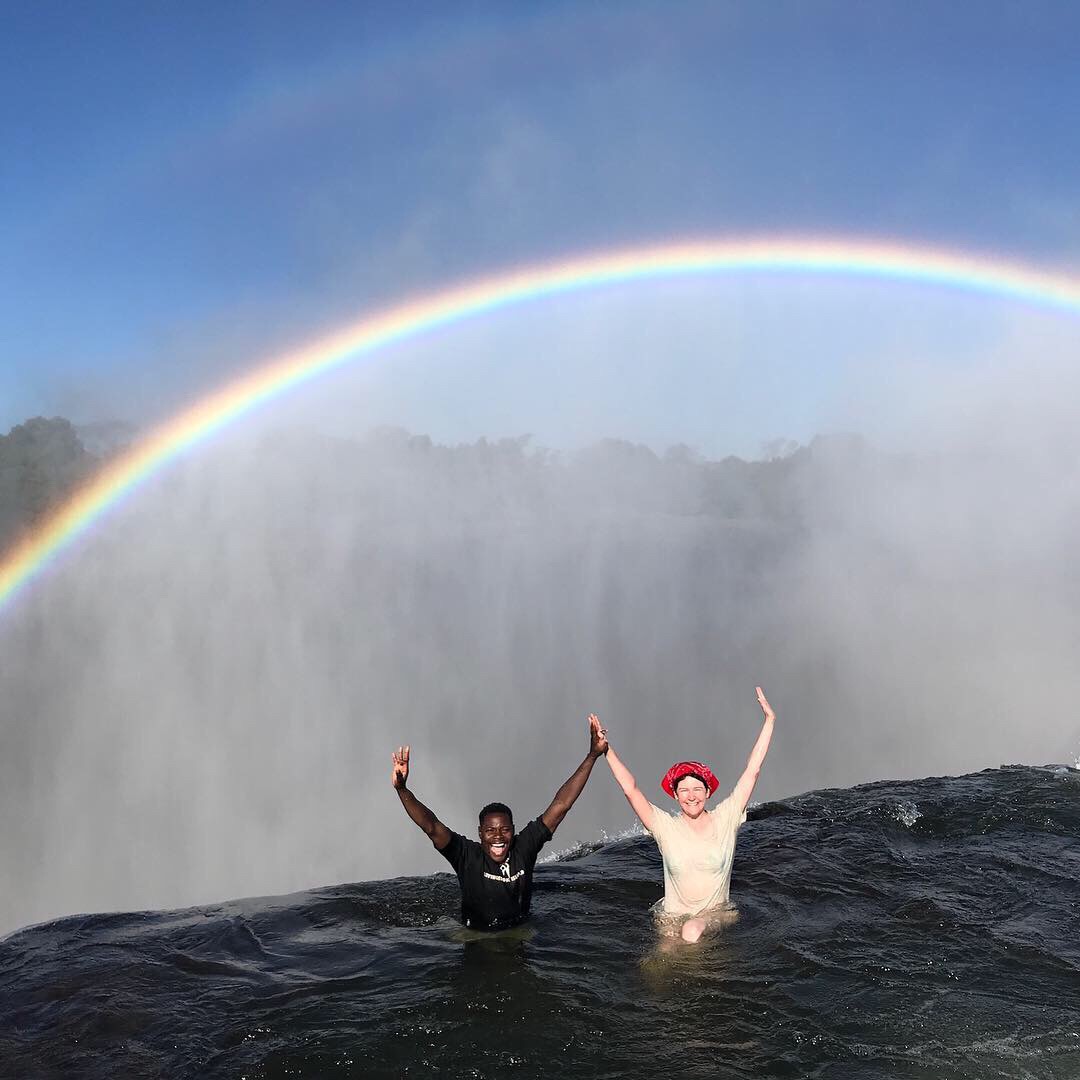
496,832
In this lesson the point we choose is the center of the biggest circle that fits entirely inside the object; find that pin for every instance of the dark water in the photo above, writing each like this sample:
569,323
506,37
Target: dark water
922,929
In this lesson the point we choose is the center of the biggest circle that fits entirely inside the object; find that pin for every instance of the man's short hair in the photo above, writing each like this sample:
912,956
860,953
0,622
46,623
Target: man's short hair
496,808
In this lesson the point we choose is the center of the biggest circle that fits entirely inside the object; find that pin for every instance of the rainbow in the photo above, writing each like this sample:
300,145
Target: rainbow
868,259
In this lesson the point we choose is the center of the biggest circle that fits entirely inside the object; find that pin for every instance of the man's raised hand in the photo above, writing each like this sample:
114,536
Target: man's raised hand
598,744
400,772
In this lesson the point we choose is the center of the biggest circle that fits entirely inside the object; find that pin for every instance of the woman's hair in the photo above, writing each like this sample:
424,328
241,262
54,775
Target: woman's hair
690,776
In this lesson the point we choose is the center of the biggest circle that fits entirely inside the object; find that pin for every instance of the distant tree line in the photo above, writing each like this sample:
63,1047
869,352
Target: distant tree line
42,461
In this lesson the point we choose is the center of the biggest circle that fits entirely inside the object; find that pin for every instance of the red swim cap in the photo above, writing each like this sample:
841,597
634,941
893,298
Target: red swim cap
685,768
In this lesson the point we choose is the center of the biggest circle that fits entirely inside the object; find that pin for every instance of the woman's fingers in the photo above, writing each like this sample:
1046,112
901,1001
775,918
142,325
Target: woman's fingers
763,701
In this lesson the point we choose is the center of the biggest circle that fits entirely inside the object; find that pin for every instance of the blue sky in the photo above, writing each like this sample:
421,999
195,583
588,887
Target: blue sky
188,188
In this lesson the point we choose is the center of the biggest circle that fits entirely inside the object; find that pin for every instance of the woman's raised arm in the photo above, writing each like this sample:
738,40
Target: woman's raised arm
634,796
745,787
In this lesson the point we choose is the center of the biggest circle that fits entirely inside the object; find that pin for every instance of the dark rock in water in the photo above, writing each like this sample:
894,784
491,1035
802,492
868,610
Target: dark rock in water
919,929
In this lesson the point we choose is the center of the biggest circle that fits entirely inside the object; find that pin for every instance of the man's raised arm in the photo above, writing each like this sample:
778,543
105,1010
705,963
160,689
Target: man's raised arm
439,834
568,793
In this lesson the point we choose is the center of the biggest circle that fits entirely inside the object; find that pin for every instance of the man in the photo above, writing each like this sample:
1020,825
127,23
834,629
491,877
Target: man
496,874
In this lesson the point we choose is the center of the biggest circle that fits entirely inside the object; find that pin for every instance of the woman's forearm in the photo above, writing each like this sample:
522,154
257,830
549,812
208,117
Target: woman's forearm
747,782
625,779
761,746
623,776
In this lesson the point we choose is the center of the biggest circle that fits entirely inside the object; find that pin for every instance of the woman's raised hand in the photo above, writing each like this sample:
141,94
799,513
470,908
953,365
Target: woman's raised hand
763,701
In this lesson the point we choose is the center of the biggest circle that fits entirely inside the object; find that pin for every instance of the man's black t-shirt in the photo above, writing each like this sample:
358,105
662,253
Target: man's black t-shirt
496,895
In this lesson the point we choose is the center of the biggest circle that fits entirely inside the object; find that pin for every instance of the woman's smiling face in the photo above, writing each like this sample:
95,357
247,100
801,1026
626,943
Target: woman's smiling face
691,794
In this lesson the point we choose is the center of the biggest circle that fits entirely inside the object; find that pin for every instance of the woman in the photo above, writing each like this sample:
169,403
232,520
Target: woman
697,845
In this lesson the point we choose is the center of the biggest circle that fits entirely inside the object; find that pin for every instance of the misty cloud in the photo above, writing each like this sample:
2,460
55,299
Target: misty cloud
202,699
